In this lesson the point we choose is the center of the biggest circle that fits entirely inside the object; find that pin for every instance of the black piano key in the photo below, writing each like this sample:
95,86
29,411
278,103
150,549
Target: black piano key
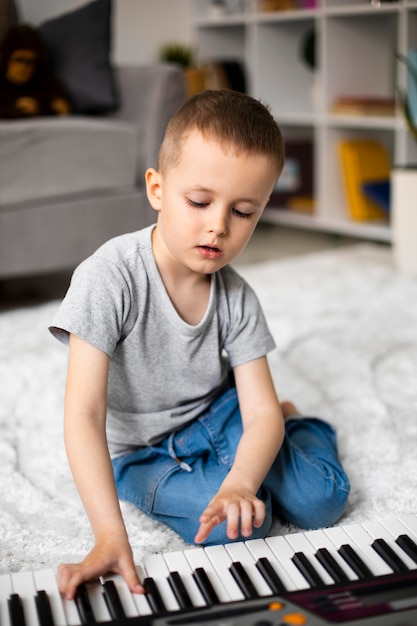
354,561
206,588
179,591
332,567
43,609
83,605
270,575
112,600
390,557
16,613
306,568
154,597
244,582
408,545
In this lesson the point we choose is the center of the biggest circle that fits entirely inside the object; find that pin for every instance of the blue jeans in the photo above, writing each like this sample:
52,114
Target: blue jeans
306,484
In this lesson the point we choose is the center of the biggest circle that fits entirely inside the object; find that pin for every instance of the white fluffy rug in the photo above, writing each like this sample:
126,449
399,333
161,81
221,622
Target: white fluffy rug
346,326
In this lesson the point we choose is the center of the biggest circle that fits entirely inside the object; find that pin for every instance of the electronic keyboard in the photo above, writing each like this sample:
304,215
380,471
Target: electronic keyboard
358,574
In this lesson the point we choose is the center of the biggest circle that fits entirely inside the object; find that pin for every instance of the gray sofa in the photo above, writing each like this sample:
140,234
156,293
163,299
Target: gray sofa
69,184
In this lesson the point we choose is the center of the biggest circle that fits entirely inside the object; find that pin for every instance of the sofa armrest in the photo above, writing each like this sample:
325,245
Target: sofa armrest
149,96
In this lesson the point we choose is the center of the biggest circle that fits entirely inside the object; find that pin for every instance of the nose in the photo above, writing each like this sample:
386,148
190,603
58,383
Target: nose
218,222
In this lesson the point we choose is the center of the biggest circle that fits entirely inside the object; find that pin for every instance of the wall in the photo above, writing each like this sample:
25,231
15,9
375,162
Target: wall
140,26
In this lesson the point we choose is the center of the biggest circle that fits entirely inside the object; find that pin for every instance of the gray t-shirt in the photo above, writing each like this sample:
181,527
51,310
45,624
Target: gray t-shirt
163,371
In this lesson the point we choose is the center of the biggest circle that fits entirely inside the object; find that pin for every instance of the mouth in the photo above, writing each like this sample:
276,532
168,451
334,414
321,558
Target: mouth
210,252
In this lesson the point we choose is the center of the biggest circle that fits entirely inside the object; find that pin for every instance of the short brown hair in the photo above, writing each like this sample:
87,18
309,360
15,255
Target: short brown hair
230,117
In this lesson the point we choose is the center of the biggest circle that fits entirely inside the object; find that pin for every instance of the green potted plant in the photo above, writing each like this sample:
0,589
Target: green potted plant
404,179
185,56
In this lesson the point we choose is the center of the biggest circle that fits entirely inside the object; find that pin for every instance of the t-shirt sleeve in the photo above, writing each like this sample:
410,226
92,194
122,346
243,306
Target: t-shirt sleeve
96,305
248,336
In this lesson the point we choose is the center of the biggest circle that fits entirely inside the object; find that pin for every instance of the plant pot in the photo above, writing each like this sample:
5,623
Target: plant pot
404,219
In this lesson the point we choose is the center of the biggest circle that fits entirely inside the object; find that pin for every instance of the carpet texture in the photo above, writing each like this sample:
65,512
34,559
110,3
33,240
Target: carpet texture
346,327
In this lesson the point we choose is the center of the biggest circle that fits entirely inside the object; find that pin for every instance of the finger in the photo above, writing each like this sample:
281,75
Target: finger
69,577
131,577
233,515
259,513
204,531
246,512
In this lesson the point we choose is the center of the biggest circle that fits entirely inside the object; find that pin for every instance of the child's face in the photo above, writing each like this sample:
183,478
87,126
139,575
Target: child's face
209,204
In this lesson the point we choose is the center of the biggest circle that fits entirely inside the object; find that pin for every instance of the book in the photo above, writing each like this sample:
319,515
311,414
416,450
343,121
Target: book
363,161
364,105
412,84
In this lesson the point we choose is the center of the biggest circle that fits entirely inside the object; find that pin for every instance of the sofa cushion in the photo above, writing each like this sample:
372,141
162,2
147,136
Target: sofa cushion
79,43
57,156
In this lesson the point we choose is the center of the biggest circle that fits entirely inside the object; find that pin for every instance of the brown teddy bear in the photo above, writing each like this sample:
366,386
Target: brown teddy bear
27,86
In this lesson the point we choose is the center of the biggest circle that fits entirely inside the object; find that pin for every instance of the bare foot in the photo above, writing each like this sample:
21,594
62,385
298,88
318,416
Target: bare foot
288,408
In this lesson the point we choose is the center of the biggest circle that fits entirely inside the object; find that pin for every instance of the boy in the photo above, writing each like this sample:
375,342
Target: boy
170,403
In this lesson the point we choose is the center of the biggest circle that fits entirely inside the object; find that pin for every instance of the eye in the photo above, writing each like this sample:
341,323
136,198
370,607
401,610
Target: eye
241,214
196,205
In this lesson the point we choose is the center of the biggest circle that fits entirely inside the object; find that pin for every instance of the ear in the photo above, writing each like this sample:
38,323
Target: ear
154,188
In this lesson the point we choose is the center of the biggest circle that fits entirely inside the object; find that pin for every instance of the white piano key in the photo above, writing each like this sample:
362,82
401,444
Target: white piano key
299,543
45,580
395,527
24,585
362,541
259,548
319,539
378,531
283,552
221,562
156,568
410,522
239,552
97,601
197,557
5,590
177,562
125,595
140,600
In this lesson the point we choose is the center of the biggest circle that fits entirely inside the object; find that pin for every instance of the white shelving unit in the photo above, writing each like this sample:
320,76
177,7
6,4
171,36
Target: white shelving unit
356,46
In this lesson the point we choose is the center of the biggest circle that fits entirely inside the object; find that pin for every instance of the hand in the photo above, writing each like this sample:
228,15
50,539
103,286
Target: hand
108,555
233,505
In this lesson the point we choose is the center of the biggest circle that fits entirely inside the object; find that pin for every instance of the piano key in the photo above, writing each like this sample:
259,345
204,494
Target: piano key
6,590
270,575
244,582
239,552
153,594
327,560
82,601
43,609
45,580
300,543
320,540
221,562
156,568
24,585
180,592
377,530
98,603
354,560
260,549
176,561
205,587
125,595
16,611
112,600
284,553
364,540
304,565
408,546
197,558
410,522
395,526
390,557
364,554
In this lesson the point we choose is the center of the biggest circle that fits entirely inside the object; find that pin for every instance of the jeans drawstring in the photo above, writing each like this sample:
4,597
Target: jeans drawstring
183,465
